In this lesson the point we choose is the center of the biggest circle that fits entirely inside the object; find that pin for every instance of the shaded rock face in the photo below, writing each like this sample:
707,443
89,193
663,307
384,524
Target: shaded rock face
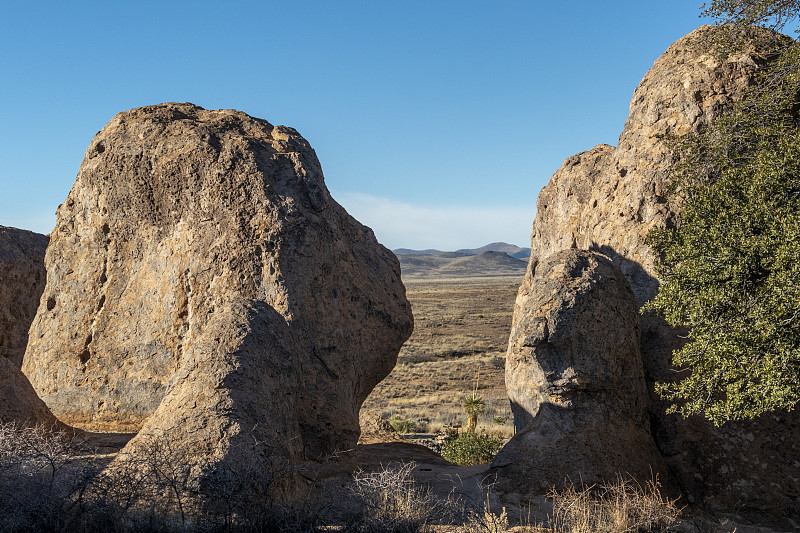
22,280
203,284
19,402
575,378
607,199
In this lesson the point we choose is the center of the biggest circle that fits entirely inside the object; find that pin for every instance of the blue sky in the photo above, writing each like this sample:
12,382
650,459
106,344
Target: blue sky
437,123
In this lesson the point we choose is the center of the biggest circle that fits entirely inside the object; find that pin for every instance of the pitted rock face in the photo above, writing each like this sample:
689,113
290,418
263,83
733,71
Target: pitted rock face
201,277
575,379
576,339
608,199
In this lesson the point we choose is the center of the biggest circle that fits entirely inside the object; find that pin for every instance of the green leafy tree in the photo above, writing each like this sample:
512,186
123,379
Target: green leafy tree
731,266
774,14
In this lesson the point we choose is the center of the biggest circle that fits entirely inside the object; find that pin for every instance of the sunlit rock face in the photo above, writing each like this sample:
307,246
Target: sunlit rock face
203,283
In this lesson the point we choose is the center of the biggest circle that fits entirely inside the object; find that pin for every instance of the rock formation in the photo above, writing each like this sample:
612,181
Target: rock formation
574,374
22,280
375,429
607,199
203,284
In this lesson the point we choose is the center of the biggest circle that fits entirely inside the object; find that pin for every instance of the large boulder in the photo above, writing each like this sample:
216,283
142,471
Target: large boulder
607,199
575,379
203,284
22,280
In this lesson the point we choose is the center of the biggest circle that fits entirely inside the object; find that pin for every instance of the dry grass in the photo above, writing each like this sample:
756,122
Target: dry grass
391,500
619,507
49,482
461,327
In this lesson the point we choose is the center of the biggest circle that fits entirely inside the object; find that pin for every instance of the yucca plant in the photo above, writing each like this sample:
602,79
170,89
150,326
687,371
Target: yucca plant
473,406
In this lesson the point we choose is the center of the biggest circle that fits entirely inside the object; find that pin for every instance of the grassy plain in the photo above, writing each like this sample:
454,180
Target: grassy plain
460,334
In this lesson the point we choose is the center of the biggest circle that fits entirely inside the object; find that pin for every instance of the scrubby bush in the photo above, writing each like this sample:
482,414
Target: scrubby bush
52,481
470,448
41,483
390,500
401,425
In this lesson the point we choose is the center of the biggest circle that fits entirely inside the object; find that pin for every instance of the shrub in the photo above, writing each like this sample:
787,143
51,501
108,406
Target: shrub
390,500
402,426
471,448
41,483
51,481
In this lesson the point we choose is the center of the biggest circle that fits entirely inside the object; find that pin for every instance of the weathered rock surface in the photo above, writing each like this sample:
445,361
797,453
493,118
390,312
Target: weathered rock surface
203,284
575,378
608,199
375,429
22,280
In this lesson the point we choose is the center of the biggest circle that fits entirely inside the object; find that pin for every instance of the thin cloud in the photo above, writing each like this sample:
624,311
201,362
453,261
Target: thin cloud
402,225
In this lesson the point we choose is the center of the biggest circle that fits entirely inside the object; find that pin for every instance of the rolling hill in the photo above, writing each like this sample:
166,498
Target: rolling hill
460,265
510,249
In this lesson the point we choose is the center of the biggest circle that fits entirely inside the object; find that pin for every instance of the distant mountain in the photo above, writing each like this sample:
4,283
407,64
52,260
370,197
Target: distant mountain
406,251
460,265
510,249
